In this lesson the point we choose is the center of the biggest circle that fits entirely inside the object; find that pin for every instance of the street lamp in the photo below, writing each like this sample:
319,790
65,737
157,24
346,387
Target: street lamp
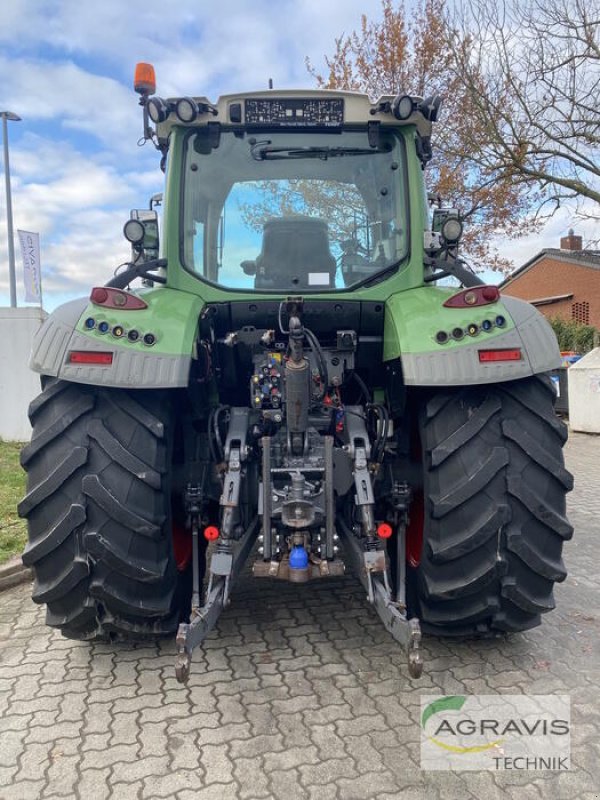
8,115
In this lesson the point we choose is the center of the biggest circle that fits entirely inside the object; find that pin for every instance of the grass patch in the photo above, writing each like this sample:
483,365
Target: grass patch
13,531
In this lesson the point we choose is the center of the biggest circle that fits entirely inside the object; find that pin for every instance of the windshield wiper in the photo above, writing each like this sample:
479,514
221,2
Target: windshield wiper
264,152
384,273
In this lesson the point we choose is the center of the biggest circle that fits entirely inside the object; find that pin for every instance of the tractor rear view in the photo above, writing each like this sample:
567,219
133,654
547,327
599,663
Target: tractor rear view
303,370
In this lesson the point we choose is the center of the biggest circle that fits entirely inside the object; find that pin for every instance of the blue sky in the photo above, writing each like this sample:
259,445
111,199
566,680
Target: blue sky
66,68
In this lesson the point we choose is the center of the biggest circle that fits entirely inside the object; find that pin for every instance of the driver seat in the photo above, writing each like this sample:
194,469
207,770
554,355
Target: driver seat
295,254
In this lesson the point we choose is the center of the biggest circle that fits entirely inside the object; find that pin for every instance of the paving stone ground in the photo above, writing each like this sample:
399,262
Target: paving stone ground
300,693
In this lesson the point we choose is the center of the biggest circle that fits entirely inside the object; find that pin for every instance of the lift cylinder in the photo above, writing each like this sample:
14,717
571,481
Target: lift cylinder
297,391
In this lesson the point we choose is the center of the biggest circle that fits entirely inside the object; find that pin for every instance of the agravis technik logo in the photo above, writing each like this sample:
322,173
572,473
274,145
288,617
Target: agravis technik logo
496,732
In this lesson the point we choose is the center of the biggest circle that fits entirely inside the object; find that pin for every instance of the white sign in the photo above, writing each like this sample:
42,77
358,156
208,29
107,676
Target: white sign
496,732
30,252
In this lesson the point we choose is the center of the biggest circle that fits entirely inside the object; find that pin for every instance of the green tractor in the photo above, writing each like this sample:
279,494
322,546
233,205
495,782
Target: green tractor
305,371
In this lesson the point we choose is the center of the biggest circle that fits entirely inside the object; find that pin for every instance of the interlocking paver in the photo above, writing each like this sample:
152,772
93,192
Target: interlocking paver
217,763
93,785
172,784
291,757
257,745
218,791
183,751
287,784
324,772
26,790
300,693
370,784
12,747
62,774
127,791
138,769
252,778
97,759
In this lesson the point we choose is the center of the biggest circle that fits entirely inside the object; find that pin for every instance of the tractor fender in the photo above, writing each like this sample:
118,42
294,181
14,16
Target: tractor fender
410,337
171,317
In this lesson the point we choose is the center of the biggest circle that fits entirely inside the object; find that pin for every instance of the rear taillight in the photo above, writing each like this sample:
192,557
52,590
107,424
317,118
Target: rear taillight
107,297
487,356
476,296
90,357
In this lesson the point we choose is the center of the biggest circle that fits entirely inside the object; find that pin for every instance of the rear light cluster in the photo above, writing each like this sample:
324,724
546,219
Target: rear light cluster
475,296
119,332
107,297
115,298
472,329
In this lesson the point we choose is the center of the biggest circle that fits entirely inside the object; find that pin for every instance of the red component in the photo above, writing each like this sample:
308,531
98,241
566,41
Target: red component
414,530
182,545
90,357
490,293
211,532
473,297
99,295
115,298
487,356
384,531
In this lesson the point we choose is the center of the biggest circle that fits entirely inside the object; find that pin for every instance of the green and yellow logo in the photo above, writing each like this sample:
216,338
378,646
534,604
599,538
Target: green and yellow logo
443,725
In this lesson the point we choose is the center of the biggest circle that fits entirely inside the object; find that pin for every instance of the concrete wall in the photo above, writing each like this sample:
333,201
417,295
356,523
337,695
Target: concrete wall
584,394
18,385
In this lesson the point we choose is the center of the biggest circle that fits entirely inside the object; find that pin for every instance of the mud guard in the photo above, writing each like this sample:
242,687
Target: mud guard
411,337
171,317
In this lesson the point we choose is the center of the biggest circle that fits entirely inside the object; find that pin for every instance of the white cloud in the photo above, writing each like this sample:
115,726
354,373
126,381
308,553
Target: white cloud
85,256
67,71
78,205
70,97
66,67
151,29
197,48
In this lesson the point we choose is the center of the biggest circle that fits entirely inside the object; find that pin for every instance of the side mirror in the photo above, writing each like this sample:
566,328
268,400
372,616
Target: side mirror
141,230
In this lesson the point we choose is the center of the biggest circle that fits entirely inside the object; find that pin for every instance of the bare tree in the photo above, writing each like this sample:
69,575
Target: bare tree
531,72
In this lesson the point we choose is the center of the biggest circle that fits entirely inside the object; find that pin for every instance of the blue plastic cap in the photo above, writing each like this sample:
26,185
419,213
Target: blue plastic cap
298,558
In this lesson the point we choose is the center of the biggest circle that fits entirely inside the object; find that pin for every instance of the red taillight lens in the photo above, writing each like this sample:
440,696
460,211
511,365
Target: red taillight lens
211,532
115,298
384,531
476,296
90,357
486,356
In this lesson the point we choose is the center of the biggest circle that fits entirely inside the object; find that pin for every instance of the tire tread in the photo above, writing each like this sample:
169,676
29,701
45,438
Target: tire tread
495,489
98,511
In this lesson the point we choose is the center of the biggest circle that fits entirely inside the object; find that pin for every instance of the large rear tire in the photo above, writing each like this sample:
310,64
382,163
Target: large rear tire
494,508
98,507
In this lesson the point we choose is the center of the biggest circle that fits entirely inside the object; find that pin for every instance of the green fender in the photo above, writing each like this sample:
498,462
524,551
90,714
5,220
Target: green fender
171,317
415,317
